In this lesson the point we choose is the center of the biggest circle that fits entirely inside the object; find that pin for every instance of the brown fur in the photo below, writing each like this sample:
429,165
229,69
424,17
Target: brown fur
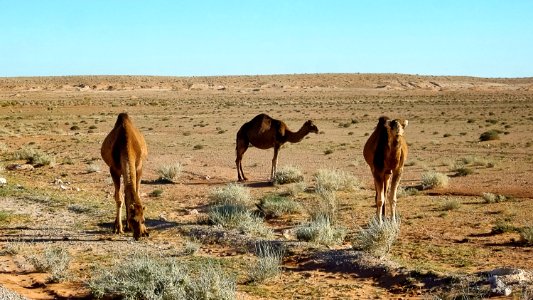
264,132
385,152
124,150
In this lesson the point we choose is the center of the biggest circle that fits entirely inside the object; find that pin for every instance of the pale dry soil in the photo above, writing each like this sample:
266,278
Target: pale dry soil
194,121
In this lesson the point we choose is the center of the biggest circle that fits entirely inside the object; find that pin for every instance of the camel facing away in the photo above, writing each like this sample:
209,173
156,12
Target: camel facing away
124,150
265,132
385,152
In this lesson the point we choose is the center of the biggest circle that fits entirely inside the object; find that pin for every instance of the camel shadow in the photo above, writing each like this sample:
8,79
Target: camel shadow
151,224
259,184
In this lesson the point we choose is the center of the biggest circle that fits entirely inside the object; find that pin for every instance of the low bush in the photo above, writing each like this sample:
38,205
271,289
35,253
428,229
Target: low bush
489,135
145,277
434,179
493,198
53,260
335,180
526,235
237,216
321,231
277,206
288,174
232,193
270,257
34,157
170,172
377,239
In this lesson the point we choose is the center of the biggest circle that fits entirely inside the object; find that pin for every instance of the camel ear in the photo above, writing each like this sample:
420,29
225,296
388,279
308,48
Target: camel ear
404,123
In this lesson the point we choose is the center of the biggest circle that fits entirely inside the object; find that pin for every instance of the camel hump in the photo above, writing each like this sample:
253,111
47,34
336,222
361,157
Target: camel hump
383,120
121,119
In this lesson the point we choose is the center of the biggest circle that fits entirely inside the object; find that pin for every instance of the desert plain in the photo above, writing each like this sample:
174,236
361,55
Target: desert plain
450,236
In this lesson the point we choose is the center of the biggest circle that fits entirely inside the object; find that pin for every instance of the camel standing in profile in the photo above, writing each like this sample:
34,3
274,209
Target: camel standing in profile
385,152
265,132
124,150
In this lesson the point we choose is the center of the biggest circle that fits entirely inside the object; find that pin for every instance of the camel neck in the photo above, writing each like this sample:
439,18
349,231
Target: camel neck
295,137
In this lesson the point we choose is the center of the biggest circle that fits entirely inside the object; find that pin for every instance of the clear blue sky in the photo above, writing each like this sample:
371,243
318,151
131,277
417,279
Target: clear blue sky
487,38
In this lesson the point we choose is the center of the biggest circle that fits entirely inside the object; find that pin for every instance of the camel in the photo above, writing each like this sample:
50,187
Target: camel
265,132
124,150
385,152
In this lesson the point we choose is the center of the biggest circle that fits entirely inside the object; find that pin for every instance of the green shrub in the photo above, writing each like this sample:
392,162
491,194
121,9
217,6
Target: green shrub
288,174
156,193
144,277
277,206
270,256
434,179
232,193
502,226
236,216
53,260
377,239
321,231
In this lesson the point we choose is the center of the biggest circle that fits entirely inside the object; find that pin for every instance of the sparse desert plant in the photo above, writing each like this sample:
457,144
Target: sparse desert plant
432,179
145,277
404,192
156,193
6,294
526,235
295,188
321,231
377,239
53,260
288,174
79,209
461,170
451,204
493,198
93,168
489,135
191,247
170,172
277,206
34,157
270,256
502,226
237,216
232,193
335,180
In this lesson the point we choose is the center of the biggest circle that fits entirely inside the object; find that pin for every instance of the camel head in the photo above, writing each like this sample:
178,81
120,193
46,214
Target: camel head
396,126
310,127
136,220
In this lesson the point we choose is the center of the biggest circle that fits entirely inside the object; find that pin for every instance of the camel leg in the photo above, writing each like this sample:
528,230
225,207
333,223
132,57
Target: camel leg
380,197
393,193
274,163
144,231
118,201
241,148
386,188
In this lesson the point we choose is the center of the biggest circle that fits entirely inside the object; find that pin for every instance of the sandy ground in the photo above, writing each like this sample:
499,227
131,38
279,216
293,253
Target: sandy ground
194,121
